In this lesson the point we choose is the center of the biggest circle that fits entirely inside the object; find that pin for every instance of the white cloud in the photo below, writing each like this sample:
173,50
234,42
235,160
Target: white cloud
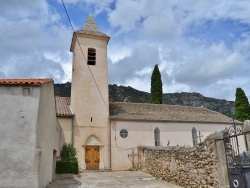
119,52
126,14
175,87
100,5
188,63
144,71
142,56
218,62
139,84
93,6
16,9
33,41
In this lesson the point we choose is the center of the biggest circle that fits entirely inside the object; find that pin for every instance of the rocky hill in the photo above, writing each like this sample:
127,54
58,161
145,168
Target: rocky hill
63,90
129,94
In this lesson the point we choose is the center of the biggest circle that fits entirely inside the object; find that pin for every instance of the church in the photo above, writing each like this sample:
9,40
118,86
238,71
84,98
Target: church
106,134
35,123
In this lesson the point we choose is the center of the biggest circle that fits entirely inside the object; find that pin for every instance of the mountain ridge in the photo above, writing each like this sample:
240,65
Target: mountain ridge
129,94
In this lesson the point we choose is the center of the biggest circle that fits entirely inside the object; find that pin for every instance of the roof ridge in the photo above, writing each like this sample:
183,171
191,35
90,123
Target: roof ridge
162,104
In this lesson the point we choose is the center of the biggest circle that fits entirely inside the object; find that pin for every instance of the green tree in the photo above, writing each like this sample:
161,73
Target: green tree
68,153
242,109
156,87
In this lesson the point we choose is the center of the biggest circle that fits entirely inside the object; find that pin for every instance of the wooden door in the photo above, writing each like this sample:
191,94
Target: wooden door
92,157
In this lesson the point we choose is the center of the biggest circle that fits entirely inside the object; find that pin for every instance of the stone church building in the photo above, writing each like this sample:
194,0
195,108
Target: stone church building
34,124
106,134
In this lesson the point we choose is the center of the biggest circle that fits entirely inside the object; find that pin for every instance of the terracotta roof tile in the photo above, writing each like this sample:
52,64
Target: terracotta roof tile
162,112
25,81
62,106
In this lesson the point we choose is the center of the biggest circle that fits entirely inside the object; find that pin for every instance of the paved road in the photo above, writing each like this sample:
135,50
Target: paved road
115,179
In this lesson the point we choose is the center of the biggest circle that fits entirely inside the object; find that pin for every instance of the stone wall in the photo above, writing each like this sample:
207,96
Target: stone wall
187,167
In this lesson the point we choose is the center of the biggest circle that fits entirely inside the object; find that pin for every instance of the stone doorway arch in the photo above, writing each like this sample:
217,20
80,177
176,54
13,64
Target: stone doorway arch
93,153
92,140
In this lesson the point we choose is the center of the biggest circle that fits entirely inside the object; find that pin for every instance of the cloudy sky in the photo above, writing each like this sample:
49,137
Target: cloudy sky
200,46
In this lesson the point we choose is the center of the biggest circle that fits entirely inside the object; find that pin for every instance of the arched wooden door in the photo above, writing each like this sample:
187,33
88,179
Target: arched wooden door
92,157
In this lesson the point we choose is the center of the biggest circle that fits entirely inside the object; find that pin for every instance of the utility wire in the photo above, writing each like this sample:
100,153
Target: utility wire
84,55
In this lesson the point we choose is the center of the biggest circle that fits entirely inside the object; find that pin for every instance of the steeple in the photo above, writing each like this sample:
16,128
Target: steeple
90,25
91,28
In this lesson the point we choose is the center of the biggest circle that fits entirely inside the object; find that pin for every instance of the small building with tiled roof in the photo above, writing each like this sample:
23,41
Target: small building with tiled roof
30,133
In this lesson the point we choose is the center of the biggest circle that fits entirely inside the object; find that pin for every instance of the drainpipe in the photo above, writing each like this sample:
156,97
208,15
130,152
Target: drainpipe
110,145
72,131
72,125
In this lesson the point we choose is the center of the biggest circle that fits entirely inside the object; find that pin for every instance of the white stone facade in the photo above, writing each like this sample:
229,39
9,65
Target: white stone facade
29,135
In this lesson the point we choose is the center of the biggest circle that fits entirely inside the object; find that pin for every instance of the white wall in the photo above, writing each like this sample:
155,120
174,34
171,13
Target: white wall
48,134
142,133
66,125
18,126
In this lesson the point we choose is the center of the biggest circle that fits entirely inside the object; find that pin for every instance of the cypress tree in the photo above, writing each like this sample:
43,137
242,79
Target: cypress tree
156,87
242,109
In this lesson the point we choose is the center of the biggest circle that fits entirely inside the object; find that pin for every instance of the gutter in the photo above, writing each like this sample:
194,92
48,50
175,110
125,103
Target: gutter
172,121
72,126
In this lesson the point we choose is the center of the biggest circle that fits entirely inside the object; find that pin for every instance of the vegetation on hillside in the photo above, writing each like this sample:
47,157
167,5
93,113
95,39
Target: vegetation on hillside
242,109
63,90
156,86
129,94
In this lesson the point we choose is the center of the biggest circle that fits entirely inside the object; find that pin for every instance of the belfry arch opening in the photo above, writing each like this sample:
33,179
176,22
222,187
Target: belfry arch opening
91,56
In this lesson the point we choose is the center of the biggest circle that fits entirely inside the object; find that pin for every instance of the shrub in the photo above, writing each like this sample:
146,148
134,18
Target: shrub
68,153
69,163
65,167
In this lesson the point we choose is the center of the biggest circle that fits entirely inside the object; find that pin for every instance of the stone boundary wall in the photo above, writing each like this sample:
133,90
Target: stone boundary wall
187,167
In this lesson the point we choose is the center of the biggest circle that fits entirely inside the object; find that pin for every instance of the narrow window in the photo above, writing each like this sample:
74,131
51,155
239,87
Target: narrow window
194,136
157,136
91,56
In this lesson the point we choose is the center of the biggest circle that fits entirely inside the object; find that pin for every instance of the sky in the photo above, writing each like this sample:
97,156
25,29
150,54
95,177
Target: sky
200,46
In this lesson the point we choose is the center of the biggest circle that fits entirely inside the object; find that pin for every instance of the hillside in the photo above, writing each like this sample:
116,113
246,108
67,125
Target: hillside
129,94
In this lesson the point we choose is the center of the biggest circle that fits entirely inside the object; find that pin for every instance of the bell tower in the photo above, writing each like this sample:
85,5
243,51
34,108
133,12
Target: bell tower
90,94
